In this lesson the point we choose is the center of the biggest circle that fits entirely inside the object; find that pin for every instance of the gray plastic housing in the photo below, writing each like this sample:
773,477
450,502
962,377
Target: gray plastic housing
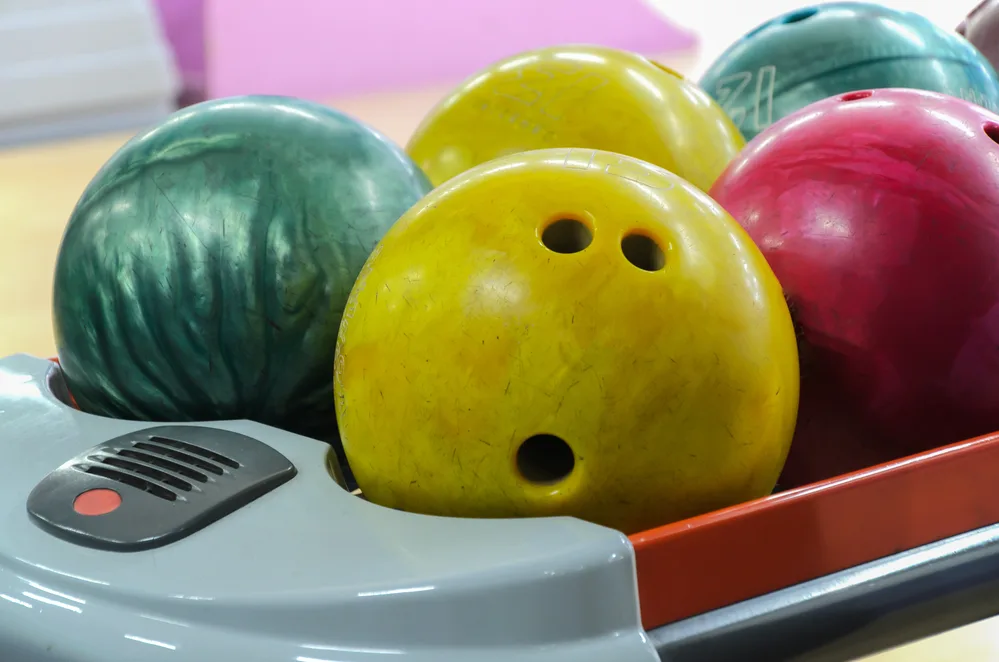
305,572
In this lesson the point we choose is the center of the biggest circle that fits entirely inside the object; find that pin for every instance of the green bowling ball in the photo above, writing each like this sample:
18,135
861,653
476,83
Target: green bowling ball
817,52
204,271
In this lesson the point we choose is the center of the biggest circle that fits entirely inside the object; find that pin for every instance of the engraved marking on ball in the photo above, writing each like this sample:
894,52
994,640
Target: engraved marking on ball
729,91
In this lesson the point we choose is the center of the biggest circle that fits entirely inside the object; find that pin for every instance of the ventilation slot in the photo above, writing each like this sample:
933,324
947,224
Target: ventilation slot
163,463
137,482
148,472
196,450
178,456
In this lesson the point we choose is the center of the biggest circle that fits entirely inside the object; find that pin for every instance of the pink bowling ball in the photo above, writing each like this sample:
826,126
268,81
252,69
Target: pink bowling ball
878,211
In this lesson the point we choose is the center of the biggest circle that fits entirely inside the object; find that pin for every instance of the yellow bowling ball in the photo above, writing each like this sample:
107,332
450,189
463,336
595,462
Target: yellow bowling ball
566,332
578,96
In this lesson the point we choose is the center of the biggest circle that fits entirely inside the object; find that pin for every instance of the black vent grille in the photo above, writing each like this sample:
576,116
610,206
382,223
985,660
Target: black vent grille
172,480
163,463
158,448
163,467
131,480
191,449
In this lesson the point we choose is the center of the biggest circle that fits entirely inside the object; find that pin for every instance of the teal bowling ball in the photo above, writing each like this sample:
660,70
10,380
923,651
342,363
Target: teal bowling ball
204,271
817,52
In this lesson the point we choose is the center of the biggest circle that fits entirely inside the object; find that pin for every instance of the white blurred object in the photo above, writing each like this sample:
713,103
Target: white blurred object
73,67
718,23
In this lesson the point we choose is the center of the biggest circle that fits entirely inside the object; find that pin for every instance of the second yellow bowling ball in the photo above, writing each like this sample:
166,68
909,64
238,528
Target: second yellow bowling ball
578,96
566,332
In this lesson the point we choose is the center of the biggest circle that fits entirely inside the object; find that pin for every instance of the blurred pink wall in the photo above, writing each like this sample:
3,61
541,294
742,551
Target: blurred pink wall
183,23
325,48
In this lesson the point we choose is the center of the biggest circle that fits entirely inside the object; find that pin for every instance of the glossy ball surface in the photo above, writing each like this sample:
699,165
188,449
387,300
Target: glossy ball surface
566,332
817,52
879,213
981,28
577,96
204,271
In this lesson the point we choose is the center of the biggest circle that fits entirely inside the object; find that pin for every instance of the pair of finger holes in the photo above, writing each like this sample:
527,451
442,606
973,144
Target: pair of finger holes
991,129
568,235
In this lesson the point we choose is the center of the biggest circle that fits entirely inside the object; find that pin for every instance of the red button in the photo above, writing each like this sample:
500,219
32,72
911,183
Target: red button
97,502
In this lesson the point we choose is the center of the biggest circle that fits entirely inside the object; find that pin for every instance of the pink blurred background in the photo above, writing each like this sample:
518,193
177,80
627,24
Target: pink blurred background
333,48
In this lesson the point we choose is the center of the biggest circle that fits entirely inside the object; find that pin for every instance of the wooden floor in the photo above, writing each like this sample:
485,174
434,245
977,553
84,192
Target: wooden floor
978,642
40,184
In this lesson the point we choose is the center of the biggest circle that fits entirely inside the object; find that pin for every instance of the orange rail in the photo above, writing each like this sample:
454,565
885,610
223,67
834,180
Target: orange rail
714,560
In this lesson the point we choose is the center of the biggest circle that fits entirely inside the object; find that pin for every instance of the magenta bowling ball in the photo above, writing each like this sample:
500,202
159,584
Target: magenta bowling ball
879,212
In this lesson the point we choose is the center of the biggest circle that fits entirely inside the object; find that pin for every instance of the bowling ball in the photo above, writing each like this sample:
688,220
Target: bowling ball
566,332
816,52
981,28
577,96
203,273
878,210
